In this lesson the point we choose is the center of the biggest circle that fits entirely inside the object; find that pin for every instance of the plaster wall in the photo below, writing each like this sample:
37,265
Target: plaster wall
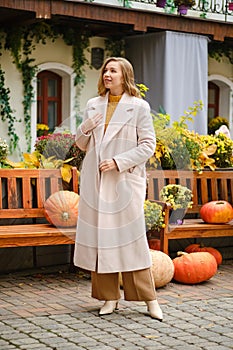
224,68
59,53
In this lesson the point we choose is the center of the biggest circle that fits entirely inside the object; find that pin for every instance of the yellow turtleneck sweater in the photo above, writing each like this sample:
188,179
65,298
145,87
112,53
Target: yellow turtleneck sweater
112,103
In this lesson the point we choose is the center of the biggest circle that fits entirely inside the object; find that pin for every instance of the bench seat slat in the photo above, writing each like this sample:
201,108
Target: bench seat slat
35,235
21,213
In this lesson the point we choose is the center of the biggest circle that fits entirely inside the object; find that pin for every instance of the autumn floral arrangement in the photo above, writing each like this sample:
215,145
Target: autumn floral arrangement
154,216
179,148
53,151
179,197
60,146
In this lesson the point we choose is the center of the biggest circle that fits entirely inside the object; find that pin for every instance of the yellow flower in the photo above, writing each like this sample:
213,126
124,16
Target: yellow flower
42,127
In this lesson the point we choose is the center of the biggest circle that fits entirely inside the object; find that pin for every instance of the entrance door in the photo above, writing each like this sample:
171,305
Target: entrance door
49,99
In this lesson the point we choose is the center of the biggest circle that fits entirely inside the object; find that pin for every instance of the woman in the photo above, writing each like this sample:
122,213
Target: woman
118,137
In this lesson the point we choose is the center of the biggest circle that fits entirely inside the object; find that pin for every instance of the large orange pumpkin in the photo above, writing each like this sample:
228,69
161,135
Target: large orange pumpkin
216,212
61,208
192,248
194,268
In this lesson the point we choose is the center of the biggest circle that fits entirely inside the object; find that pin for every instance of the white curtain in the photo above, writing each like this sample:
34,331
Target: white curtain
174,66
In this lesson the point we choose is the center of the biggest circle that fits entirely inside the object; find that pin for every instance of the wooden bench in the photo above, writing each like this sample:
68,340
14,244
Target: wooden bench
22,196
207,186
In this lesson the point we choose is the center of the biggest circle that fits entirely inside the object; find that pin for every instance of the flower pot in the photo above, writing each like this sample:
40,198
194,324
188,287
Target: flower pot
230,6
177,216
161,3
182,9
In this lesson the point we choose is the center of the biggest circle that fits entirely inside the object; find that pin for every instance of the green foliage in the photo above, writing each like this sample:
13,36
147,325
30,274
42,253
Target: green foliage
60,146
125,3
21,42
177,147
7,113
218,50
115,47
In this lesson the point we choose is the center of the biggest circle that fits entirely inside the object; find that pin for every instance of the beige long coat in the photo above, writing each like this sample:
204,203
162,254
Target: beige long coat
111,233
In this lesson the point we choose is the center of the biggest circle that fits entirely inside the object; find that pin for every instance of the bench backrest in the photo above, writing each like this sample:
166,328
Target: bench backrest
24,191
207,186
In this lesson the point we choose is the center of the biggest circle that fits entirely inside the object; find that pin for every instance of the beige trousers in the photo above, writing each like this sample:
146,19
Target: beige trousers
137,285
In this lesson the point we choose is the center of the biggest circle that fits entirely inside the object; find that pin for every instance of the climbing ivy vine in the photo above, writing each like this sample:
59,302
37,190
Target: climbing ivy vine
21,42
7,113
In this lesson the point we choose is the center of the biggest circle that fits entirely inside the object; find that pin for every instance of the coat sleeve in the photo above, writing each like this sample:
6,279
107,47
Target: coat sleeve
82,139
146,141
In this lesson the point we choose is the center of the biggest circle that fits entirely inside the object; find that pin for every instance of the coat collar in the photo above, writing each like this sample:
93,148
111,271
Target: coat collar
122,114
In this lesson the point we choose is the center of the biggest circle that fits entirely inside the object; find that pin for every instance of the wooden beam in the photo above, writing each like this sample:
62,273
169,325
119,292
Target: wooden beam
140,20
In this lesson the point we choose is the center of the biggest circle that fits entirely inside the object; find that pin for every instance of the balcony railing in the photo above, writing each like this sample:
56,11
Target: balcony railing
217,10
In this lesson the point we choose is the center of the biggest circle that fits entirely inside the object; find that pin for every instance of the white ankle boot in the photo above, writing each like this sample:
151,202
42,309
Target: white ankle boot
154,310
108,307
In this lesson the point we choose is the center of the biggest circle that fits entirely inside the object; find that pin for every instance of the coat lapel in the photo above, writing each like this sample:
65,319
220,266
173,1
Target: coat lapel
122,114
99,107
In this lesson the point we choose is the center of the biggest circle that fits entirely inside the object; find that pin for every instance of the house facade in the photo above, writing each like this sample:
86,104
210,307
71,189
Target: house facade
61,44
52,51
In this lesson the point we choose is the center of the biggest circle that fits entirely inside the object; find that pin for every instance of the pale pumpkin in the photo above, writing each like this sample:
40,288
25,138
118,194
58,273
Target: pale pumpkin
61,209
162,268
194,268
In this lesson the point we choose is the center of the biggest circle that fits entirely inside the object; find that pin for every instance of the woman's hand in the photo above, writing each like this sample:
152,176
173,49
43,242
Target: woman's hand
107,165
91,123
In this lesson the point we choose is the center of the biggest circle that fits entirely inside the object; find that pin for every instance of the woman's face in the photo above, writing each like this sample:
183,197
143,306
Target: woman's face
113,78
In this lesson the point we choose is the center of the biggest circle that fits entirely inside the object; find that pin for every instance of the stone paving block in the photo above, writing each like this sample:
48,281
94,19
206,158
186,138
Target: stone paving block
195,317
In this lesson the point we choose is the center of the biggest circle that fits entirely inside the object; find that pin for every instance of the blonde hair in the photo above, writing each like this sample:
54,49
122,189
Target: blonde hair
129,85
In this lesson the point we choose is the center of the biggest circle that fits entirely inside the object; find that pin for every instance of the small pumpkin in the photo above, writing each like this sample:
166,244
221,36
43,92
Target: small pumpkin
61,208
193,268
216,212
192,248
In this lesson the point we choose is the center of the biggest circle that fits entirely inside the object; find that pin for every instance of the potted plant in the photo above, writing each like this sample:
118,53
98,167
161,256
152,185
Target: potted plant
180,199
154,216
184,5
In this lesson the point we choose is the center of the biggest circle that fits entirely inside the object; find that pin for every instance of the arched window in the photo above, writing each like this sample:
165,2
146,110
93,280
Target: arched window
213,100
49,99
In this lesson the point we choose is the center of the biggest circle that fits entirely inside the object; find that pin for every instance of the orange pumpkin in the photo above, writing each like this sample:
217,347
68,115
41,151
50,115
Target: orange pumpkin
192,248
216,212
194,268
61,209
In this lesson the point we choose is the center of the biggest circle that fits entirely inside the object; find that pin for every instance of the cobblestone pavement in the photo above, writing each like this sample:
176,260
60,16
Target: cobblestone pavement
42,310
